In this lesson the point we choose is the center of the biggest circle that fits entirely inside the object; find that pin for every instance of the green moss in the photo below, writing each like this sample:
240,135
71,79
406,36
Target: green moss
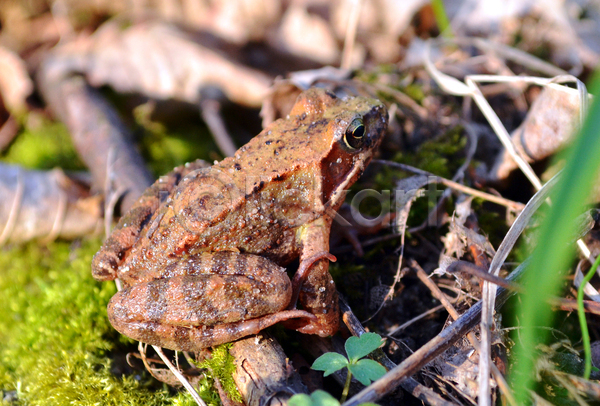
167,147
440,156
56,339
44,146
220,365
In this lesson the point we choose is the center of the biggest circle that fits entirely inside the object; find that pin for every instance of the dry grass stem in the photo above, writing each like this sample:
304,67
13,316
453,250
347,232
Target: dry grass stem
186,384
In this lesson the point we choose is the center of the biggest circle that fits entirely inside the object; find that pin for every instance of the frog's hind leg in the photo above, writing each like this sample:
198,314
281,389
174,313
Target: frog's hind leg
207,299
196,338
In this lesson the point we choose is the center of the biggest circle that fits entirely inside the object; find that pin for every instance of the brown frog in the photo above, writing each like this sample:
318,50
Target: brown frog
201,254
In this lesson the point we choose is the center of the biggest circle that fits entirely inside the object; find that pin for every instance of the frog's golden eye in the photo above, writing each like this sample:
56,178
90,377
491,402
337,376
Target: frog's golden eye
355,134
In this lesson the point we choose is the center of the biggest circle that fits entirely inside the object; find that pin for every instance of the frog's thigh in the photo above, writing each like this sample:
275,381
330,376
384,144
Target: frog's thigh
192,311
207,294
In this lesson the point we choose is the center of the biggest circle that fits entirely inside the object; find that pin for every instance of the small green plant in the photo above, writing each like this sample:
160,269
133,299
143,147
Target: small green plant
364,370
317,398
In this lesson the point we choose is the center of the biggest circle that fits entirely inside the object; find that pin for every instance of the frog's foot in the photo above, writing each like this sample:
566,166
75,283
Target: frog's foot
324,323
196,338
302,274
316,293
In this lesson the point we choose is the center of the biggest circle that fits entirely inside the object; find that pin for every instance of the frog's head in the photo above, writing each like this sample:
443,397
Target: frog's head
347,131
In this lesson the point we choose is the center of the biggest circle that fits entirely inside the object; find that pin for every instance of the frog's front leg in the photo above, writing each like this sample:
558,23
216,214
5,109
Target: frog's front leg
204,300
312,284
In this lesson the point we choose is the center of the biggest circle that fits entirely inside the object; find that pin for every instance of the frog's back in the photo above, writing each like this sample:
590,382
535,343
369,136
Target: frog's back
251,202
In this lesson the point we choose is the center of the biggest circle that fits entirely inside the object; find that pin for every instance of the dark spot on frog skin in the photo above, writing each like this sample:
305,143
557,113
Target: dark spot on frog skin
256,187
317,124
237,167
268,142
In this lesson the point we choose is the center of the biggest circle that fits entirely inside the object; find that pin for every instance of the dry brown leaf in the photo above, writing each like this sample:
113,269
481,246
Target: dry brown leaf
547,128
308,35
161,61
45,204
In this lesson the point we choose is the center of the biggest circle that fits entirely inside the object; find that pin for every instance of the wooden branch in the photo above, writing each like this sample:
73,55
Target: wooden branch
264,375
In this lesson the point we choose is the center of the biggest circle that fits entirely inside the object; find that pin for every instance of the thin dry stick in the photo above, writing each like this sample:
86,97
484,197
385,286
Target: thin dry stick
179,376
564,304
210,109
438,294
350,37
412,386
402,99
516,206
415,319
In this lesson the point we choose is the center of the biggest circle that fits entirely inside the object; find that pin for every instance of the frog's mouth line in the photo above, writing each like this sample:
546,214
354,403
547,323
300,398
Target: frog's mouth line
339,192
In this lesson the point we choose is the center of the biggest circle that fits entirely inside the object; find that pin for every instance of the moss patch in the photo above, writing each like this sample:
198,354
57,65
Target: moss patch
221,365
56,339
44,146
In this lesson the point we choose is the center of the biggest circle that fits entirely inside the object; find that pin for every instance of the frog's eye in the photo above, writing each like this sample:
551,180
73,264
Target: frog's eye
355,134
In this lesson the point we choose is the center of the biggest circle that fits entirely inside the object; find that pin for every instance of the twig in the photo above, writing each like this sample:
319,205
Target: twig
432,349
419,391
516,206
483,274
403,99
179,376
415,319
210,109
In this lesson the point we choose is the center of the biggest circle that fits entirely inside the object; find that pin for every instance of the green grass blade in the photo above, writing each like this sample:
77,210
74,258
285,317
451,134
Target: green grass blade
585,334
554,253
439,11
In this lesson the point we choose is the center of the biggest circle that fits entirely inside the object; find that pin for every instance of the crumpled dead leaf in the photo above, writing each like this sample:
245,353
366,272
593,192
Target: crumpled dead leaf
548,127
45,204
308,35
160,61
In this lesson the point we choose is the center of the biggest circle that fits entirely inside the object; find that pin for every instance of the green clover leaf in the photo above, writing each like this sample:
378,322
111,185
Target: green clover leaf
358,347
367,370
330,362
317,398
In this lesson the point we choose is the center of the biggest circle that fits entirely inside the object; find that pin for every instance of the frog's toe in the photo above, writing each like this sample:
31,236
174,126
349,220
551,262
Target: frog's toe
104,266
